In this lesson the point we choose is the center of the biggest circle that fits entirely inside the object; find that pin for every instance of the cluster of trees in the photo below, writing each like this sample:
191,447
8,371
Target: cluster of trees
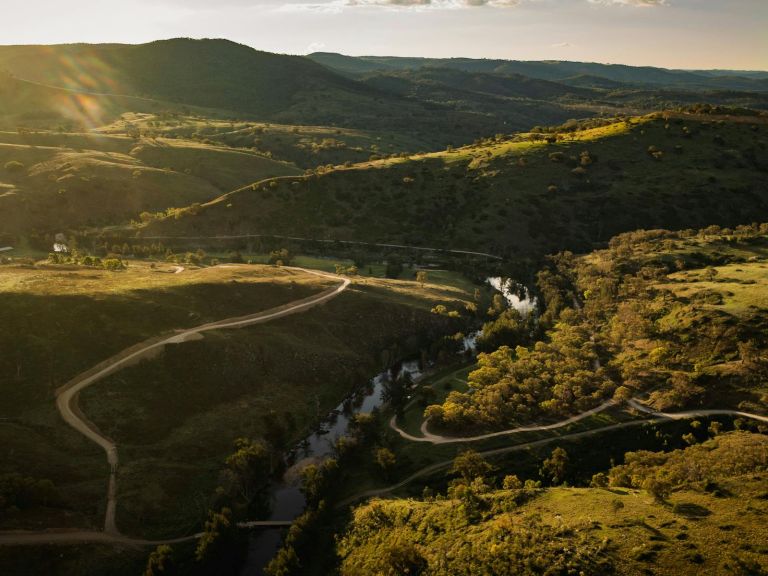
555,378
699,466
310,532
612,326
18,492
153,250
113,264
469,530
281,257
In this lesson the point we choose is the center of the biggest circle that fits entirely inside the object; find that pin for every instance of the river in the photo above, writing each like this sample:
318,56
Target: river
286,497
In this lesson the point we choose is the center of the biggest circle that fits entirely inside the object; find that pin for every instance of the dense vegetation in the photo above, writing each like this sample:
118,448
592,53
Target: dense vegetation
714,493
679,314
522,197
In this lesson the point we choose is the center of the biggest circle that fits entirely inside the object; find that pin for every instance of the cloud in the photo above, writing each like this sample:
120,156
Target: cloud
315,47
636,3
562,45
416,5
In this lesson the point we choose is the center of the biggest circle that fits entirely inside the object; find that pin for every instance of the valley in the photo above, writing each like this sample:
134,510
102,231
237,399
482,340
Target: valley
270,314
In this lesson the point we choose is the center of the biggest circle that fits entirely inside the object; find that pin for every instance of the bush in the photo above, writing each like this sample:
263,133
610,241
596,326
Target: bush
14,167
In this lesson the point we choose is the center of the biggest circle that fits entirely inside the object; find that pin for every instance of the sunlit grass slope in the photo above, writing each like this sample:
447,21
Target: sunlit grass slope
520,197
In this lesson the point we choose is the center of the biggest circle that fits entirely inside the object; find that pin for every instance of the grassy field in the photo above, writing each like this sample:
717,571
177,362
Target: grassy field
219,388
442,384
305,146
62,180
743,287
59,322
74,560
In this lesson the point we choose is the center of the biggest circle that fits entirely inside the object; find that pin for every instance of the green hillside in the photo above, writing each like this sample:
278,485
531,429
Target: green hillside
679,316
553,70
51,182
519,197
306,146
176,414
709,522
28,104
223,75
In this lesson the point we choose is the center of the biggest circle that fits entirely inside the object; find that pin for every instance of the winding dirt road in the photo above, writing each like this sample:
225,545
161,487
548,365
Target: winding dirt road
658,417
67,396
427,436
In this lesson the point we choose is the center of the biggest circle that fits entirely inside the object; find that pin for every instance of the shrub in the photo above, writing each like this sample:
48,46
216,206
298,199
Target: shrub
14,167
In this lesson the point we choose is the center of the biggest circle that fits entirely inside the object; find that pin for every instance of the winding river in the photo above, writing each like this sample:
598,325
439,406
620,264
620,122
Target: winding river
287,501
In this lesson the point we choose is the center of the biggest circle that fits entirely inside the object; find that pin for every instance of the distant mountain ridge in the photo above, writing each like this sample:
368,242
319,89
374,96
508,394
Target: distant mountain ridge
242,82
554,70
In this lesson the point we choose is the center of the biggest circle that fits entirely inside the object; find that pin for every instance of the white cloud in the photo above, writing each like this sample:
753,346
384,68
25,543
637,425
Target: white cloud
636,3
335,6
315,47
562,45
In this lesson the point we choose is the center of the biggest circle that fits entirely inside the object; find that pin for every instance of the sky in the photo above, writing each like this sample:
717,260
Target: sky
690,34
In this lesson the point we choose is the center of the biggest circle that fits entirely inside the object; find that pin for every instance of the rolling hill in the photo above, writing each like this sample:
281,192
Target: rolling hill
519,197
553,70
241,82
710,523
51,181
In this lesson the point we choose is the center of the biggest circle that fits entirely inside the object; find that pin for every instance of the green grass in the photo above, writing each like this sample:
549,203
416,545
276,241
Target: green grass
80,179
443,383
73,560
304,146
637,532
743,286
61,321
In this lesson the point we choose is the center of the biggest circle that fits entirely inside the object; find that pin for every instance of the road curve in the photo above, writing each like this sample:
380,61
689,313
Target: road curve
695,413
436,439
658,417
67,396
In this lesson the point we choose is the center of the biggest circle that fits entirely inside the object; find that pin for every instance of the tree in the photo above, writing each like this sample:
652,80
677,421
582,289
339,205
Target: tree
14,167
421,277
217,529
393,268
470,465
160,562
656,488
280,257
386,460
599,480
403,558
554,468
512,482
249,469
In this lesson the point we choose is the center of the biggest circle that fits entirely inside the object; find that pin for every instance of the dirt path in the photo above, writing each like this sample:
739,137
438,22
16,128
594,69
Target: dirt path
658,417
427,436
695,413
298,239
25,538
67,403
